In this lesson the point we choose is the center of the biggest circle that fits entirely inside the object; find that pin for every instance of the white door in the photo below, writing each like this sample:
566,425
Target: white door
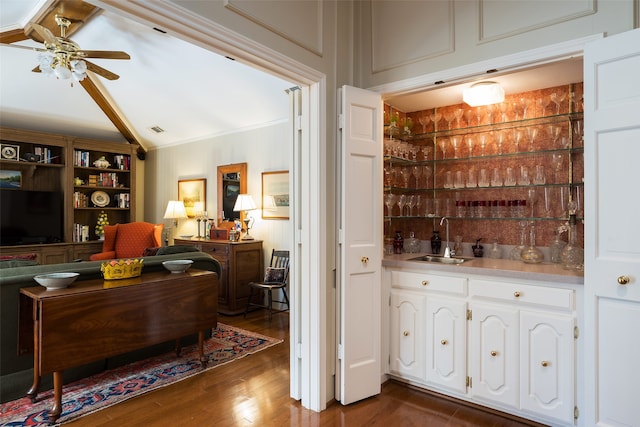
407,350
360,263
547,368
612,233
493,356
446,324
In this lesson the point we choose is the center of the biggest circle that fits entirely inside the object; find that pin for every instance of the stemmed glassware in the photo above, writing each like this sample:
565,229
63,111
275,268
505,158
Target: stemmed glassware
556,162
417,171
542,103
483,143
517,137
532,134
435,118
455,142
470,141
458,115
523,103
442,143
418,204
426,152
557,99
547,202
405,174
532,197
500,137
411,201
448,117
554,134
389,201
579,131
424,121
426,173
401,201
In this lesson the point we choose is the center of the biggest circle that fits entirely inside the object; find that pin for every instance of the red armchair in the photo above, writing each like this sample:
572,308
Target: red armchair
129,240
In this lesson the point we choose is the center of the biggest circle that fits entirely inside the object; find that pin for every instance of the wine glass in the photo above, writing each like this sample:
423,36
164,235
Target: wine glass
455,142
500,138
448,117
483,143
532,134
558,99
424,121
426,173
554,133
405,174
504,107
542,103
426,152
532,197
468,115
401,201
417,172
418,203
435,118
517,138
389,201
443,143
579,131
458,115
523,103
411,201
556,162
470,141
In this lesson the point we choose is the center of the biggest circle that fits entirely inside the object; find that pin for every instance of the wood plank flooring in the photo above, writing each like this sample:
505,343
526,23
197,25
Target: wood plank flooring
254,391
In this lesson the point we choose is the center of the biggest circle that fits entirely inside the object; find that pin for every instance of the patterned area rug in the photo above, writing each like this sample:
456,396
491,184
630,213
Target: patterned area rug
100,391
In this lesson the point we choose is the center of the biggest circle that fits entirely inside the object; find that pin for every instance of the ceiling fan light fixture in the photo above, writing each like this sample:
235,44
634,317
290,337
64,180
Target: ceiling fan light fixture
483,93
62,72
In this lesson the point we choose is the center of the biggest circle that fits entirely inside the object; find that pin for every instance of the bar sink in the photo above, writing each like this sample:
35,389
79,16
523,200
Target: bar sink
440,259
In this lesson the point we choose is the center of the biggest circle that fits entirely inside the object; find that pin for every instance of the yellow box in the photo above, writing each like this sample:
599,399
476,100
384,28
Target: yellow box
121,269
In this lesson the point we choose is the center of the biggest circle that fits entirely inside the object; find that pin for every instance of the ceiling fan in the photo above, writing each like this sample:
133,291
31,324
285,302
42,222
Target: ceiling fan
62,57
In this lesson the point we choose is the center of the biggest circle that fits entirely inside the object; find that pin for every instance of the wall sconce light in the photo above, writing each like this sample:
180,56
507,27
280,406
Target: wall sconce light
483,93
245,203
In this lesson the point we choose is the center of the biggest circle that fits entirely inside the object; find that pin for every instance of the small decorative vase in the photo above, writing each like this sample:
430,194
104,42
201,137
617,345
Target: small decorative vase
478,249
398,243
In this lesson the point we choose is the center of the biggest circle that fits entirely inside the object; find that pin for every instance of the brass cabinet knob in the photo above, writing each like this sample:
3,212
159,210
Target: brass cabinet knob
425,282
544,363
405,333
365,260
493,353
623,280
516,294
444,342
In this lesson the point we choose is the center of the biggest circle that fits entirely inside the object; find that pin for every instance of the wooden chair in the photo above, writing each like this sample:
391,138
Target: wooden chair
276,277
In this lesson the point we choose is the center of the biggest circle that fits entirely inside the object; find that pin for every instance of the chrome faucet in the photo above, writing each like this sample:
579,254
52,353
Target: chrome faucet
448,253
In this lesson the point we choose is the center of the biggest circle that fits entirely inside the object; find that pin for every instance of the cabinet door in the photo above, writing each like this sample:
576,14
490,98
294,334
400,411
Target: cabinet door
446,342
407,339
547,368
494,353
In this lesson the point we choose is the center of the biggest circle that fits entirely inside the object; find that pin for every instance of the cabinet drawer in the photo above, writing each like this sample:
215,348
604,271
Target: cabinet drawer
430,282
523,294
219,252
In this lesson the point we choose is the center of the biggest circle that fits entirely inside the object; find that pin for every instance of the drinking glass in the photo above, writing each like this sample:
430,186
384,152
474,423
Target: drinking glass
401,201
517,138
471,179
443,143
554,134
426,152
542,103
532,134
418,204
435,118
532,197
538,176
483,179
458,115
500,138
470,142
411,201
496,178
448,117
405,174
459,182
455,142
547,202
417,172
424,121
426,173
483,143
558,99
556,162
448,179
389,201
523,177
510,178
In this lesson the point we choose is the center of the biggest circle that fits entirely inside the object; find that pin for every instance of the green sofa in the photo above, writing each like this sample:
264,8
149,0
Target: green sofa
16,372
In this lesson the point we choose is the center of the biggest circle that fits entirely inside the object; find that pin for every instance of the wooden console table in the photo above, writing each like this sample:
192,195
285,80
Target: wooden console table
96,319
240,262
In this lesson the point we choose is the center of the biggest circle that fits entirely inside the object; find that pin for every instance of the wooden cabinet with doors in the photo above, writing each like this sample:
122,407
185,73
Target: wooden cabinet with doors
241,263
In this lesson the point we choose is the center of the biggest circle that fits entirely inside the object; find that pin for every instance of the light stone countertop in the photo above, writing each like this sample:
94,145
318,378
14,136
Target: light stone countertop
545,271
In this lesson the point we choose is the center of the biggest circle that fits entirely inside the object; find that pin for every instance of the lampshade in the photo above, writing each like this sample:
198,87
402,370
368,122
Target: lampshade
483,93
244,202
175,210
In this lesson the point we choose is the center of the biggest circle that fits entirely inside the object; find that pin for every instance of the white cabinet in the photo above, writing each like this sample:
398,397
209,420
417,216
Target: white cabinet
503,343
547,372
407,329
494,354
446,326
523,346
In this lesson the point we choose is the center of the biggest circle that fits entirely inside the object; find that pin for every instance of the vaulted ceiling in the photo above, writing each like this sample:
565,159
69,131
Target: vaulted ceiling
186,91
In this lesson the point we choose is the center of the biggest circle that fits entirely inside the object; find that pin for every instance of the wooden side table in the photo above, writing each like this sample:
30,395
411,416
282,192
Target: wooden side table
241,263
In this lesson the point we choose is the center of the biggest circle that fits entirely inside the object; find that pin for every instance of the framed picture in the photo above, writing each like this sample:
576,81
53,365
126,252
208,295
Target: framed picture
10,179
192,191
275,195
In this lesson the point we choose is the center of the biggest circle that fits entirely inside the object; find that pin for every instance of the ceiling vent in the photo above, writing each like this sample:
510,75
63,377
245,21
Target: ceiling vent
157,129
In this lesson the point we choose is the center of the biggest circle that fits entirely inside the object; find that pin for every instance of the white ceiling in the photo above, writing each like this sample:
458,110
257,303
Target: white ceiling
189,92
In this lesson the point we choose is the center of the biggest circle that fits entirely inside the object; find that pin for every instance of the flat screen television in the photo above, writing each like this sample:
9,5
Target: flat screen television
30,217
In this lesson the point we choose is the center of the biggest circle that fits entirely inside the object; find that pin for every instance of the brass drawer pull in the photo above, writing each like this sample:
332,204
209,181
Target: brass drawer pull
425,282
516,294
544,363
444,342
493,353
623,280
405,333
364,260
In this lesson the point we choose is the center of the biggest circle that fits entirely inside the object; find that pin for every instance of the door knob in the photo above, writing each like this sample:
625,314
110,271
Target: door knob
623,280
364,260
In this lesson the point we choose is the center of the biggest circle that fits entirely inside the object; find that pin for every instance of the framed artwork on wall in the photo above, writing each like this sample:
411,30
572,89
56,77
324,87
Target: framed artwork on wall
192,191
10,179
275,195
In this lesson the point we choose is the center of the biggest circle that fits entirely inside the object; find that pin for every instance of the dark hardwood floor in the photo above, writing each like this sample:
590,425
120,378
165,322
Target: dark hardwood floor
254,391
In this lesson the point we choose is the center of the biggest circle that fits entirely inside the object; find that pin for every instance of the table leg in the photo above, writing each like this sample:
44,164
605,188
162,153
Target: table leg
56,409
33,391
203,358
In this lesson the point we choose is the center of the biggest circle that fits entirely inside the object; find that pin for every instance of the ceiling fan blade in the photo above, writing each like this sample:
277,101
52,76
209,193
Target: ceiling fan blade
37,69
108,54
101,71
37,49
13,36
46,34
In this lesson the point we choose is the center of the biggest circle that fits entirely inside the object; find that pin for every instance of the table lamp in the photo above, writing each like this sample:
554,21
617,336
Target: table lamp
244,203
175,211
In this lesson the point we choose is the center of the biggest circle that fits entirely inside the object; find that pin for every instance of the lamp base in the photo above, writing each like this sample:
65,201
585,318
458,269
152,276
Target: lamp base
247,237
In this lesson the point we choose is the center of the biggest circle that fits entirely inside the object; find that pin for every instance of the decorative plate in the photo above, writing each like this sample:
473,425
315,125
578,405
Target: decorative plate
100,199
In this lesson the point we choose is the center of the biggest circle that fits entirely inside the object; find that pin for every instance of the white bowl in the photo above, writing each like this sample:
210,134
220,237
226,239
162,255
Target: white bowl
178,265
56,280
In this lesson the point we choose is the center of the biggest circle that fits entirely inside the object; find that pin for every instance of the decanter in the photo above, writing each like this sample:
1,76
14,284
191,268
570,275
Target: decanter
436,242
556,246
495,252
411,244
398,243
572,255
531,254
457,247
516,252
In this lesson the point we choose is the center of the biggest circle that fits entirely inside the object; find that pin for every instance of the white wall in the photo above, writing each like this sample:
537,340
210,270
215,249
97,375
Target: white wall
264,150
